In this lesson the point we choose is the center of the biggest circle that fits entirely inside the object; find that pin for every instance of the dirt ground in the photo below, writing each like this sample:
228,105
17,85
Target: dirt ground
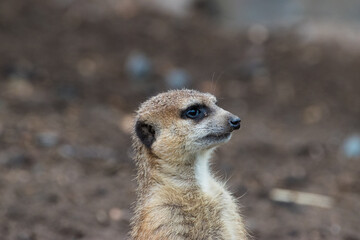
66,103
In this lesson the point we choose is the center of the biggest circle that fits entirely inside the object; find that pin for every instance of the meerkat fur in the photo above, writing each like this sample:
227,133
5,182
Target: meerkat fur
178,198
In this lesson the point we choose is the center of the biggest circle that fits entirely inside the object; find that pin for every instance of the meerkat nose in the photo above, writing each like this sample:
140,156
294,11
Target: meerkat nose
235,122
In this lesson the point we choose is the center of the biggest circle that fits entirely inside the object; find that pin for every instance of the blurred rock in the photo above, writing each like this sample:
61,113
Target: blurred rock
66,151
117,214
102,217
351,146
175,7
177,79
301,198
86,67
258,34
19,88
47,139
313,114
15,159
138,66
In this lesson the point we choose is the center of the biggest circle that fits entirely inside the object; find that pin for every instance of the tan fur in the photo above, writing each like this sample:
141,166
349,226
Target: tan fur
172,202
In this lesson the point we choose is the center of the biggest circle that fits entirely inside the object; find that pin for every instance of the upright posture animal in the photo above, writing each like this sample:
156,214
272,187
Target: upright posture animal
178,198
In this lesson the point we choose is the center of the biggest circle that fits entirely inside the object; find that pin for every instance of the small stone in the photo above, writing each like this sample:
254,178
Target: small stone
19,88
116,214
351,146
48,139
138,66
177,79
313,114
86,67
66,151
258,34
15,159
101,216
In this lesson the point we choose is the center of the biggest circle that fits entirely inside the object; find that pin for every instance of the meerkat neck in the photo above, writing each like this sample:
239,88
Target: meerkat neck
194,172
202,171
190,172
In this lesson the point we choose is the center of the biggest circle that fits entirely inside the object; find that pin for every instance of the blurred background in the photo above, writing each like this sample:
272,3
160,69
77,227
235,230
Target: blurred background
72,73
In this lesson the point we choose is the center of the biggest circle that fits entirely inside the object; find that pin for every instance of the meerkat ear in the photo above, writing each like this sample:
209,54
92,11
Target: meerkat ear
145,132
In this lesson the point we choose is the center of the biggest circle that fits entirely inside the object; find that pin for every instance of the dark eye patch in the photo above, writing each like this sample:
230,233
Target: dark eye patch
195,112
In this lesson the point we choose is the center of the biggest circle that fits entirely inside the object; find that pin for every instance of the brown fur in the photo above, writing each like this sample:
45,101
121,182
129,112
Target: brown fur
172,204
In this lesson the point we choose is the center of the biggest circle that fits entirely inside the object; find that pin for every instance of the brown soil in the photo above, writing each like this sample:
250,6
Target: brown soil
66,103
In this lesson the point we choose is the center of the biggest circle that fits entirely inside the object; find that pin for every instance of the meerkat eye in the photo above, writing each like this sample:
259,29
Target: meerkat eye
195,112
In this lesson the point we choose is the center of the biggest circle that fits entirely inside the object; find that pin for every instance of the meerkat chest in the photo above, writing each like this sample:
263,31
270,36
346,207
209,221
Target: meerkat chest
216,192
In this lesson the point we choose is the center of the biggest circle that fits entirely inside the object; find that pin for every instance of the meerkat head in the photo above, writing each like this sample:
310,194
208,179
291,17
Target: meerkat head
182,122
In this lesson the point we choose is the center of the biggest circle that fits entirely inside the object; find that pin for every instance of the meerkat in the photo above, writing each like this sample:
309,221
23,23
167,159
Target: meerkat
178,197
